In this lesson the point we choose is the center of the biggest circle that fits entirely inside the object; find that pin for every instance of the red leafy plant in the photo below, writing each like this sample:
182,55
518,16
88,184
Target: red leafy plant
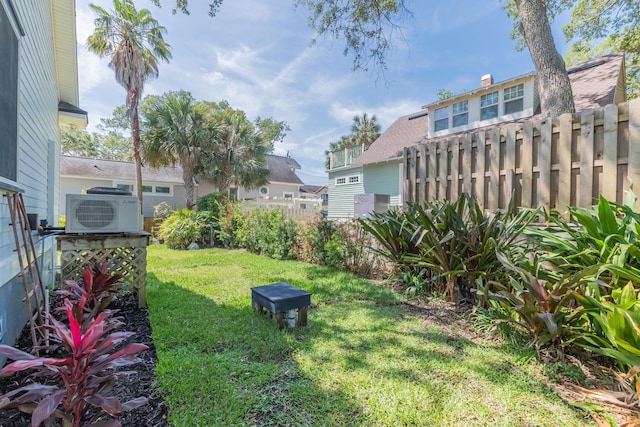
85,370
98,286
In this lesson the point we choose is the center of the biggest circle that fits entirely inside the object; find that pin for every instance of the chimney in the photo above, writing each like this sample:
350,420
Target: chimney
486,80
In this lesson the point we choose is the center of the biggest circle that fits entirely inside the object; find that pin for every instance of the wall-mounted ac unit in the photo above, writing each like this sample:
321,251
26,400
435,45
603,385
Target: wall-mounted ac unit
101,213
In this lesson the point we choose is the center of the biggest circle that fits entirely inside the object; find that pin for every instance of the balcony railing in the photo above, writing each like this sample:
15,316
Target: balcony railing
345,156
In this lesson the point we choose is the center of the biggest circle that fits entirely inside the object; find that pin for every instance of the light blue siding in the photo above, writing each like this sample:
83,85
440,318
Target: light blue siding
384,178
341,196
38,148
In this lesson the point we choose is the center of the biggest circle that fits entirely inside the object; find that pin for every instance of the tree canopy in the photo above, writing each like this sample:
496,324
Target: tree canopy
365,130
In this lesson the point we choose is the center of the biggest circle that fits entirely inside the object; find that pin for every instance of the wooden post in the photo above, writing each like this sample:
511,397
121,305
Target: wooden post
526,163
585,192
493,198
510,163
466,166
564,159
422,173
480,170
433,170
455,169
544,165
610,155
634,147
442,160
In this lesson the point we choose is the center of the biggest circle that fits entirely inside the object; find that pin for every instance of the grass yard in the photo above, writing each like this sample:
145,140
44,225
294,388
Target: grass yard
363,360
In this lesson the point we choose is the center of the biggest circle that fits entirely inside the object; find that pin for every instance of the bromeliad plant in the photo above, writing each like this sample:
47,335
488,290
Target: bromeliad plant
85,369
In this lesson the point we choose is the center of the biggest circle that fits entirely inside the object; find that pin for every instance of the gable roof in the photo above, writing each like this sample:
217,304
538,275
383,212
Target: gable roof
116,170
406,131
283,169
595,84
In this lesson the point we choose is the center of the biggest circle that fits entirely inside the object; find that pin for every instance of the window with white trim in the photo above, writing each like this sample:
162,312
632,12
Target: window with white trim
441,119
460,113
514,99
489,106
352,179
287,195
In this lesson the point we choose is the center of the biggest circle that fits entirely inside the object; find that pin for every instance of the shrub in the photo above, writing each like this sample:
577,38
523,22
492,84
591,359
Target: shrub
98,288
86,371
185,227
212,202
267,232
230,223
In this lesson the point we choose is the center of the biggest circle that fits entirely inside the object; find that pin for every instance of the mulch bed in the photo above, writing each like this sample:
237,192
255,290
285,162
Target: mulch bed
141,383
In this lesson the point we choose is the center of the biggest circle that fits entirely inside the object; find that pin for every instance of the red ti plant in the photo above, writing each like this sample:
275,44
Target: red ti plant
100,287
85,370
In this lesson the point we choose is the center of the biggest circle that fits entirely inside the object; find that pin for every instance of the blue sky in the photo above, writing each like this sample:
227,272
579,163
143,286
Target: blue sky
256,54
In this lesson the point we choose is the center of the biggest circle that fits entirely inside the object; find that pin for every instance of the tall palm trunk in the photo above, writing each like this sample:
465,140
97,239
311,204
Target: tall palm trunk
135,135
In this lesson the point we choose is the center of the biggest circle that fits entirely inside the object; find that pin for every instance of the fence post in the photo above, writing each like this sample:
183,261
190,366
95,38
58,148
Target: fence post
564,160
585,192
544,165
610,155
634,147
526,163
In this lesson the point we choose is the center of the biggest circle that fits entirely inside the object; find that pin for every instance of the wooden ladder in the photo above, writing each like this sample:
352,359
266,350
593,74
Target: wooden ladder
34,291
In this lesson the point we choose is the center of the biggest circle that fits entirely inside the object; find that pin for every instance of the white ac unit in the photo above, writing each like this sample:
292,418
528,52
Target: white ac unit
102,213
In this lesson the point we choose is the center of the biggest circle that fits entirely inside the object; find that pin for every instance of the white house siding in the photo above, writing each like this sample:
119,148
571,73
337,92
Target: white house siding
384,178
341,196
38,145
276,191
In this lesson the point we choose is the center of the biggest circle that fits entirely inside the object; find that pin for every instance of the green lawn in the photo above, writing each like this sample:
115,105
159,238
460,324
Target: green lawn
363,360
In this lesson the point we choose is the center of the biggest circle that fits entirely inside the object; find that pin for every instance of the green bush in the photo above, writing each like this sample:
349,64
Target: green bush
212,202
230,222
267,232
185,227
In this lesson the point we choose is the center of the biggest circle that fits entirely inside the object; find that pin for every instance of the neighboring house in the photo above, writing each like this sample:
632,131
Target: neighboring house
378,170
315,192
78,174
38,93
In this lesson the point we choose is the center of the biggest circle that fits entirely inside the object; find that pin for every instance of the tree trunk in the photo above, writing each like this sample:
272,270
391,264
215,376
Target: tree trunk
554,86
135,134
187,177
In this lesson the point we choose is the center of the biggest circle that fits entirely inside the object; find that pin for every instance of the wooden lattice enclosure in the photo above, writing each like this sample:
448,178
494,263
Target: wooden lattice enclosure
125,254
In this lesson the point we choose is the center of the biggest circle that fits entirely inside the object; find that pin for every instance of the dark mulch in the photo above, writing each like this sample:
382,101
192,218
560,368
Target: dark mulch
140,383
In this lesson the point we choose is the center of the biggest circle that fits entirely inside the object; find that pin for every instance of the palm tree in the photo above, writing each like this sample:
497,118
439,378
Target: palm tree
133,41
174,129
364,131
239,153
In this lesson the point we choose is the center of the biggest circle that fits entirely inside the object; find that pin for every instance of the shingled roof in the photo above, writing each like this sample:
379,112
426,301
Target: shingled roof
594,84
282,169
114,169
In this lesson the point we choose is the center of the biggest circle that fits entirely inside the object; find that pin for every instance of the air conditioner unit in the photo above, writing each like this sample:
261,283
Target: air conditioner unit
102,213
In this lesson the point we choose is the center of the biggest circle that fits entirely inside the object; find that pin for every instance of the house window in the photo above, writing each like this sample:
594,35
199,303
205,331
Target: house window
287,195
303,206
441,119
489,106
353,179
460,113
163,190
8,99
147,189
125,187
514,99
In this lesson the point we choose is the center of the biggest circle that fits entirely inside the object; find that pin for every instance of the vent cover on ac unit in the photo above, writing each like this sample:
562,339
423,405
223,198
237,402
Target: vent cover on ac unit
95,213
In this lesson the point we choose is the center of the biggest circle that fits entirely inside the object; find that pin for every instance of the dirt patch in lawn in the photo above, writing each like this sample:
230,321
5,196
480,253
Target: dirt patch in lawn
139,383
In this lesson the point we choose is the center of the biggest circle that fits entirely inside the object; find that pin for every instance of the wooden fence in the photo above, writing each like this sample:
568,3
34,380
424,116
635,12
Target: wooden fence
553,163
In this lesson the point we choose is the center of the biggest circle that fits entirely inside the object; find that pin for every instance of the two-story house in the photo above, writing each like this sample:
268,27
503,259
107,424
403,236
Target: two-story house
378,170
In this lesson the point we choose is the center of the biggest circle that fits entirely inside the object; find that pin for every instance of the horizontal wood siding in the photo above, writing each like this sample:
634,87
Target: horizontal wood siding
341,196
554,163
38,138
384,179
